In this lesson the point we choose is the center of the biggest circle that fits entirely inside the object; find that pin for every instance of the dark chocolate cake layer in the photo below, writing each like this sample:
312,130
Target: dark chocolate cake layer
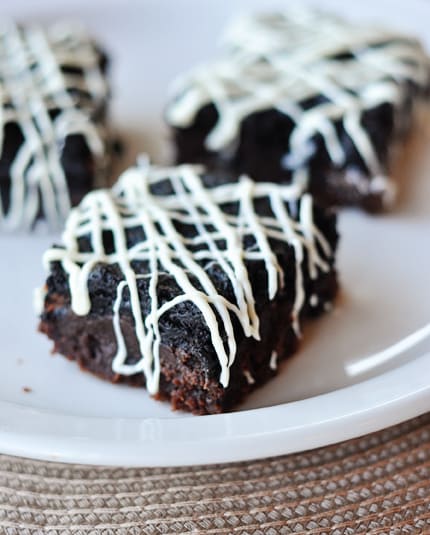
190,286
55,143
304,97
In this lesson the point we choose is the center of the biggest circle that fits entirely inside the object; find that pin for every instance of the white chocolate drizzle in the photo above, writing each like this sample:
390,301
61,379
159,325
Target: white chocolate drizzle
218,238
314,300
273,364
280,60
248,376
47,105
392,352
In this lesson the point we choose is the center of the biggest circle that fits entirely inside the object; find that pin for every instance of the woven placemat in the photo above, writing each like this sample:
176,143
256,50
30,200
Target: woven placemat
378,484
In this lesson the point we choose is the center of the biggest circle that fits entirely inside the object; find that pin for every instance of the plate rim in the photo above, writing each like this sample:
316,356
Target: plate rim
341,414
370,405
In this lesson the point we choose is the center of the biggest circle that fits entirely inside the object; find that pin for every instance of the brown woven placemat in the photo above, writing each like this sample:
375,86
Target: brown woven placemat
378,484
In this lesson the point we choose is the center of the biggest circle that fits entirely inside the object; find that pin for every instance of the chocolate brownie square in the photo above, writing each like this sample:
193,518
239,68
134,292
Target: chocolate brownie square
55,143
188,284
305,97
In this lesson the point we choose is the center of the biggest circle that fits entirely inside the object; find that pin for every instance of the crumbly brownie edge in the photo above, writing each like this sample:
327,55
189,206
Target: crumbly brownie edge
91,343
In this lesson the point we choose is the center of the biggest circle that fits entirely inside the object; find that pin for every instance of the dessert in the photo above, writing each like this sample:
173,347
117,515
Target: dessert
54,142
188,284
304,97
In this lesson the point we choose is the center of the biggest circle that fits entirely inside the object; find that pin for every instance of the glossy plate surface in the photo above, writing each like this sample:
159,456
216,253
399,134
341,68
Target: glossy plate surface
51,410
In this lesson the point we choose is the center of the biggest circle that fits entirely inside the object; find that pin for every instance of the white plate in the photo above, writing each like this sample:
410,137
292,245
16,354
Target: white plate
384,264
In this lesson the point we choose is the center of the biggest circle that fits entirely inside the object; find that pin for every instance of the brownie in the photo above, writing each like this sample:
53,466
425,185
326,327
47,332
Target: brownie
189,284
305,97
55,142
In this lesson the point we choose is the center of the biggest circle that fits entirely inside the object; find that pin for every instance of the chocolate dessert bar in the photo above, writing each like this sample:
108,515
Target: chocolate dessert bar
188,284
54,142
304,97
